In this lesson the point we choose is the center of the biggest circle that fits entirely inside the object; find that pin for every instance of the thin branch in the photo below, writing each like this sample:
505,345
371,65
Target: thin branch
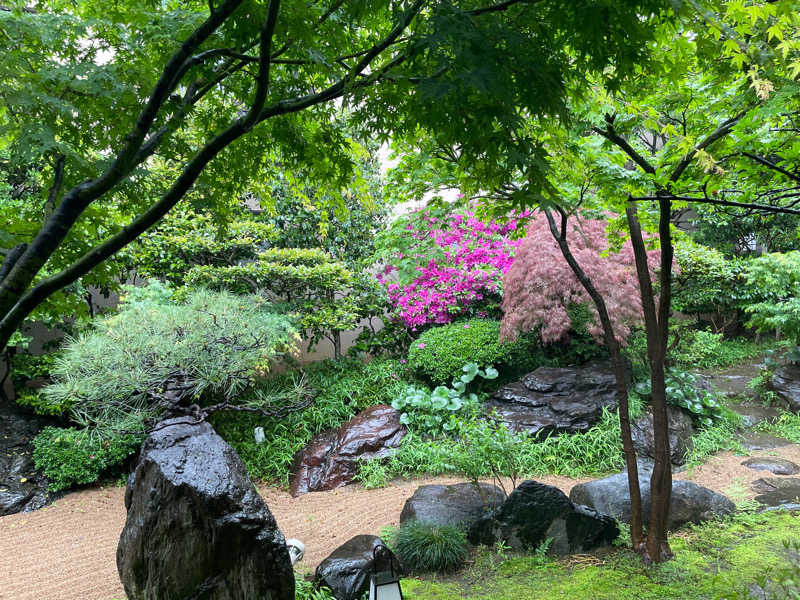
611,135
499,7
717,134
771,165
766,208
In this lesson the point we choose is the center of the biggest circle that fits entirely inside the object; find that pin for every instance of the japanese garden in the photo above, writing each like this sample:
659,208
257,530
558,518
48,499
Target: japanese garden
344,299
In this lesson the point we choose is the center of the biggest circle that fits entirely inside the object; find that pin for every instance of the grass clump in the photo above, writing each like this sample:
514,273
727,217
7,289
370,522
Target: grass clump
721,435
427,547
785,425
340,388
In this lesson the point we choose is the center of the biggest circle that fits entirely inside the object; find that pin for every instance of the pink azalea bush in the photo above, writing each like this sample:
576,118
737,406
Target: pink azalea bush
449,264
540,286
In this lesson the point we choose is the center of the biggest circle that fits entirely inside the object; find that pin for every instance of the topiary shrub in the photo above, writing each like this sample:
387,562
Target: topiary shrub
71,457
439,354
426,547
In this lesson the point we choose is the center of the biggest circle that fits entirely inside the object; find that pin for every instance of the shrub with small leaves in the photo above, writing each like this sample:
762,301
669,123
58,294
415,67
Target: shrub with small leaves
426,547
438,354
71,457
154,355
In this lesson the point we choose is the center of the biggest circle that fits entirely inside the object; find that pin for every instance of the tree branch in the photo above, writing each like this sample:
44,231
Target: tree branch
717,134
746,205
611,135
771,165
58,179
76,200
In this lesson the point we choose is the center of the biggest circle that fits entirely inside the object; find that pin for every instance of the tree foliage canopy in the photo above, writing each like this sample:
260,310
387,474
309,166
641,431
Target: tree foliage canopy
124,111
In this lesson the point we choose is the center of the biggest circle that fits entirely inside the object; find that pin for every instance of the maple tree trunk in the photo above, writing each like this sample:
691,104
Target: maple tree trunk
656,319
631,466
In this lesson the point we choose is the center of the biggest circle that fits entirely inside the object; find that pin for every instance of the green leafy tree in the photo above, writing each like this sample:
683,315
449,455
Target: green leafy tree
326,296
708,120
131,109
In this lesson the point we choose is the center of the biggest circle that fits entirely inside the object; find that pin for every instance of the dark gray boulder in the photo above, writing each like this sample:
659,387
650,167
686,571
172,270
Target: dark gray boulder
556,400
786,384
347,569
776,466
196,526
458,504
690,503
331,458
22,487
535,512
681,430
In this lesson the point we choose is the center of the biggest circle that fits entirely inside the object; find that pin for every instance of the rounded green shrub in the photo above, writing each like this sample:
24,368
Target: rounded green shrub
439,354
69,457
427,547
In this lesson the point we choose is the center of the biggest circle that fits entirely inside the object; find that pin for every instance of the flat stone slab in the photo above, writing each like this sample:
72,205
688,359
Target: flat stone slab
769,484
753,415
780,497
776,466
763,441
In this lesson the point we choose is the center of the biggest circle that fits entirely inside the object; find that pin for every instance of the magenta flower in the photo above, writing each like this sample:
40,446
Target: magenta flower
461,261
421,345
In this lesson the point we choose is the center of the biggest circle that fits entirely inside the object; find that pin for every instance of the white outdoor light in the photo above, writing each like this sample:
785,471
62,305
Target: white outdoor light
297,550
384,583
258,433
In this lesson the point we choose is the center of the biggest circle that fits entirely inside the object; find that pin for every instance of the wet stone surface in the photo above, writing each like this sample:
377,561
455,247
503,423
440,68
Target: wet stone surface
752,415
457,504
770,484
763,441
22,488
196,526
331,458
777,466
556,400
346,572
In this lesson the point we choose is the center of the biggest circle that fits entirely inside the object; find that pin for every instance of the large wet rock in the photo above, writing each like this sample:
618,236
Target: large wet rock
556,400
690,503
332,457
786,384
681,430
347,570
535,512
458,504
22,487
196,526
776,466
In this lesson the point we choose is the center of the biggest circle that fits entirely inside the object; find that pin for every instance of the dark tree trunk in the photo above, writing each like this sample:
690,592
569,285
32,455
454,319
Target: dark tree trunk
656,319
632,468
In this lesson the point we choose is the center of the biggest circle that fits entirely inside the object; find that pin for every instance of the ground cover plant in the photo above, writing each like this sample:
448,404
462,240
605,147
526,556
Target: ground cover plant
713,560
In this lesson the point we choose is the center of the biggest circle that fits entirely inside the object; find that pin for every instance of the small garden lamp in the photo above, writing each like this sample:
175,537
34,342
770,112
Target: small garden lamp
384,584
